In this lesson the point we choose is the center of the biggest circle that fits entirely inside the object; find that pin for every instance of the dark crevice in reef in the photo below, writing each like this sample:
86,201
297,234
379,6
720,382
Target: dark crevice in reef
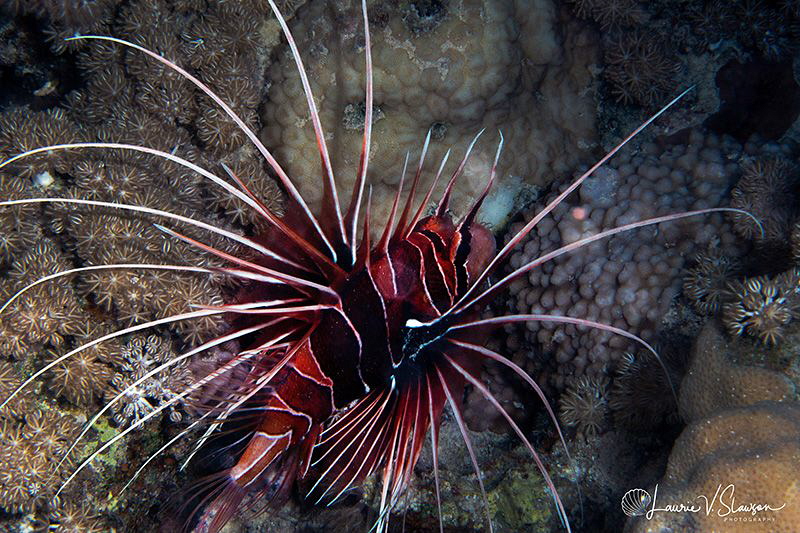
759,97
30,73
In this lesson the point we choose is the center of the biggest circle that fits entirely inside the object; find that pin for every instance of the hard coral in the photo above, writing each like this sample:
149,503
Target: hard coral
628,281
713,382
528,72
745,456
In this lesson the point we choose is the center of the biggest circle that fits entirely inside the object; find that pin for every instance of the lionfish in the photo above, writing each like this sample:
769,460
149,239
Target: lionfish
353,348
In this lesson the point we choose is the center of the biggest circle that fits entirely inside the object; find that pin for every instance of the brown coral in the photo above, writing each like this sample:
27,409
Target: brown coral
762,306
706,283
584,405
795,240
767,191
80,378
642,396
610,13
747,455
9,381
640,68
713,382
76,518
29,450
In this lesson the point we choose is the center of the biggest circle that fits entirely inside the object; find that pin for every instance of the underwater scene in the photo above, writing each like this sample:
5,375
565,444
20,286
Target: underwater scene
399,265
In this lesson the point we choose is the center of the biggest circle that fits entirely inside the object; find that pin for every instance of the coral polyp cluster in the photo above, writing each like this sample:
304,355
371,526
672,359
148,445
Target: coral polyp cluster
767,189
640,68
34,437
706,283
762,306
628,281
584,405
138,357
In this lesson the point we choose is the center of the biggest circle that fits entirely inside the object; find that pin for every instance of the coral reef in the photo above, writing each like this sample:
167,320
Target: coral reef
584,405
515,491
532,73
112,94
741,442
30,447
642,396
762,306
706,283
627,281
139,356
528,75
767,189
641,68
714,382
744,456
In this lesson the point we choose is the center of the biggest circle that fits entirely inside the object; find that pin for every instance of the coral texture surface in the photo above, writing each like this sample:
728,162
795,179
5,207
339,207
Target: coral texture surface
464,66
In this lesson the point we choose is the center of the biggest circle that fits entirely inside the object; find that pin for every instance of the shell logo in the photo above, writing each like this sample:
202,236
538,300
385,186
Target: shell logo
635,502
